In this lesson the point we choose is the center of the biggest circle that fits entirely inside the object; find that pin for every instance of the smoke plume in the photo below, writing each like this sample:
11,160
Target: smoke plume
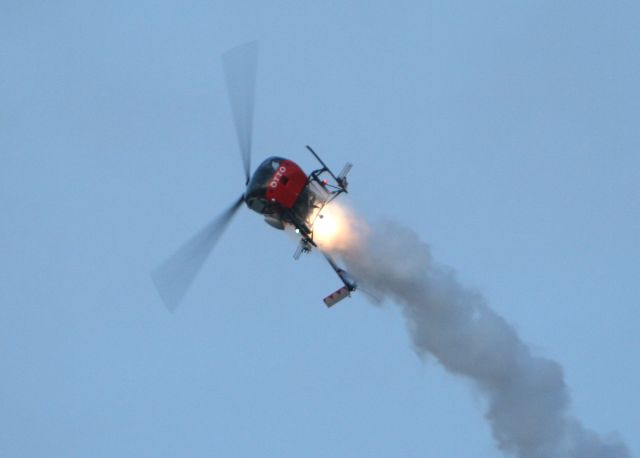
526,397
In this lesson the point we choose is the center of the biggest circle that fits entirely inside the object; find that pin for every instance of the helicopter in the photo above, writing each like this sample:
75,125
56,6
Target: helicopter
278,189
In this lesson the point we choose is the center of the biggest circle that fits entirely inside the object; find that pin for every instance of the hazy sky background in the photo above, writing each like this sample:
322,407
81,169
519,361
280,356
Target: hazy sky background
504,133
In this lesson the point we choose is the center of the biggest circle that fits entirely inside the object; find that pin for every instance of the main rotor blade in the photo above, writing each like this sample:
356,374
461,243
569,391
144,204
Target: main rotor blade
173,277
240,66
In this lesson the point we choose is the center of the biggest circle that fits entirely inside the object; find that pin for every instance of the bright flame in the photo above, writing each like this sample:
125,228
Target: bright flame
333,228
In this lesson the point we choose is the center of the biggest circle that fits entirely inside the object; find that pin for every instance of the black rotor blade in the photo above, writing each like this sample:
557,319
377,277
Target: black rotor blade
174,276
240,66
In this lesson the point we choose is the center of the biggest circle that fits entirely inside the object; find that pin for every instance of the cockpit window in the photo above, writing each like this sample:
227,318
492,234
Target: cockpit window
258,205
256,192
257,186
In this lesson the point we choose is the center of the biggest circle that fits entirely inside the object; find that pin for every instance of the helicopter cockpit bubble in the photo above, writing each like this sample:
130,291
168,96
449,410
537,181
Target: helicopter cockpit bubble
255,195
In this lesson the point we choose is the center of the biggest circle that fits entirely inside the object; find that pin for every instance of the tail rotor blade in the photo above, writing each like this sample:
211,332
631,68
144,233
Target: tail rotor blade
240,66
173,277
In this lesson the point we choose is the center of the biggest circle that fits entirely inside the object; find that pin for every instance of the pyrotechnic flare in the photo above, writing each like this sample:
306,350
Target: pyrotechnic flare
333,229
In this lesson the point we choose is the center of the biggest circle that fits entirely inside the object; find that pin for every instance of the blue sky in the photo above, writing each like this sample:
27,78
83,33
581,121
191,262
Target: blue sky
505,134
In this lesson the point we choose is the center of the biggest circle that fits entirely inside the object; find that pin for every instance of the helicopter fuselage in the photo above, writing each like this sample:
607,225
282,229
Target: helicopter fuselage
281,191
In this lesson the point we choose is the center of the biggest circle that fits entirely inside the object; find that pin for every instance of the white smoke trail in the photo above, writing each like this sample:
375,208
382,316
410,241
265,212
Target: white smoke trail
527,399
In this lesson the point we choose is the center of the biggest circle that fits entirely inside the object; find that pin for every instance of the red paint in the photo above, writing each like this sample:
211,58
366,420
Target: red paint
286,184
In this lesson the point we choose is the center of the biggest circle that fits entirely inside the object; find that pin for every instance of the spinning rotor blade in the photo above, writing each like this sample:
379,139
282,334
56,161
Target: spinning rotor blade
173,277
240,65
